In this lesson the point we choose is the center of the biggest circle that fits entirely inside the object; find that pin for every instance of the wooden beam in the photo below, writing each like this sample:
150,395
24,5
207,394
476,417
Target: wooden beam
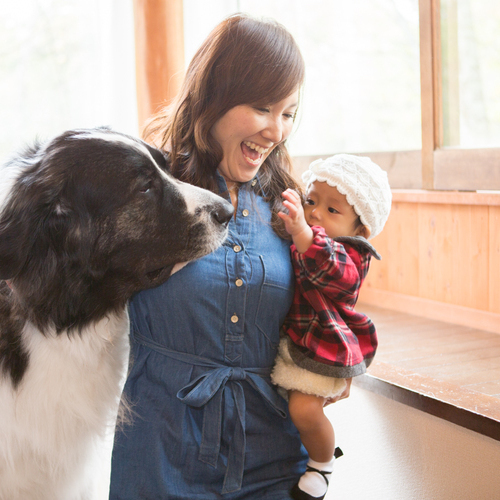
450,72
441,398
432,309
467,169
159,42
430,81
415,196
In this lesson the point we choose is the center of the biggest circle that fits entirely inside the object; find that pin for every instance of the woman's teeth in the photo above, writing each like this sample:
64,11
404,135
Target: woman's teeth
256,147
253,162
253,152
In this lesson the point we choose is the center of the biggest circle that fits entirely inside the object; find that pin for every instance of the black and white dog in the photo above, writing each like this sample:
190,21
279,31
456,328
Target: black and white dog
85,221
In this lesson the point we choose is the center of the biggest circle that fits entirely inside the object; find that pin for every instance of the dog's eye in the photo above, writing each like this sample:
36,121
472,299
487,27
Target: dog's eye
146,187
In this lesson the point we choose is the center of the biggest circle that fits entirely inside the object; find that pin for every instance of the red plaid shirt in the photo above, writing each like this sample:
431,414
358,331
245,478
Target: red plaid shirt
329,337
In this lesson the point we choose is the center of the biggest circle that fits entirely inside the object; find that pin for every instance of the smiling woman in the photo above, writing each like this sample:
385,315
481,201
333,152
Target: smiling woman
209,421
262,77
248,134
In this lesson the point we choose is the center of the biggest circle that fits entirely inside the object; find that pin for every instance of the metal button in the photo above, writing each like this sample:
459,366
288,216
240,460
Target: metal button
239,282
237,248
234,318
245,212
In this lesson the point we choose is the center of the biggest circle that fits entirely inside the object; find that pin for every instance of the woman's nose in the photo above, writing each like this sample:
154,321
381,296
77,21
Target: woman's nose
274,130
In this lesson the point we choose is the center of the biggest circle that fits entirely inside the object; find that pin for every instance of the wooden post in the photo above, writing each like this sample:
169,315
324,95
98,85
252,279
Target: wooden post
450,70
430,80
159,47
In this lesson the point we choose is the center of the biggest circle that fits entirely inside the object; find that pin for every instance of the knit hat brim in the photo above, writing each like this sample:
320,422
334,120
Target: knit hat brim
364,184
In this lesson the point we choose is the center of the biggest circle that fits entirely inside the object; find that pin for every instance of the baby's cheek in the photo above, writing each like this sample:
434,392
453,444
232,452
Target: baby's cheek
307,215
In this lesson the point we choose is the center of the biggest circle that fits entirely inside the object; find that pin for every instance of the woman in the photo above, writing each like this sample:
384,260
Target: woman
208,423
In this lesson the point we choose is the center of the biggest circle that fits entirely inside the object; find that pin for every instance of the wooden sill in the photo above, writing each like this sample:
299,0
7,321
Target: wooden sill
449,371
485,198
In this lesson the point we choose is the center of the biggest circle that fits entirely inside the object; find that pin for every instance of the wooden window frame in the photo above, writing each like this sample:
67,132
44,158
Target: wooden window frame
446,168
434,167
160,66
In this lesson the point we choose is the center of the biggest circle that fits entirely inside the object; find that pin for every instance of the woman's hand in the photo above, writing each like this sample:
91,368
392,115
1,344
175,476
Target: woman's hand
295,222
344,394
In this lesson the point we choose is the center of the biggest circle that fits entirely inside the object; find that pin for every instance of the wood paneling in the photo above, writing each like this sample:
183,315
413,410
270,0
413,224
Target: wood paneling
440,311
453,254
401,238
442,253
494,259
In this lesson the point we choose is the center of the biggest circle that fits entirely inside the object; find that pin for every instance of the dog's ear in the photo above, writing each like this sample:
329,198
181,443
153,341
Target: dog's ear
38,231
15,227
14,235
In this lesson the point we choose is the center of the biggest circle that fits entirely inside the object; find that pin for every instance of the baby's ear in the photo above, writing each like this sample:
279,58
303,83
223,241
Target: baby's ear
364,231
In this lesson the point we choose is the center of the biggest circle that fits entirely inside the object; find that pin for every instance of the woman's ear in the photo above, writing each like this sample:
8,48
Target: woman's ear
364,231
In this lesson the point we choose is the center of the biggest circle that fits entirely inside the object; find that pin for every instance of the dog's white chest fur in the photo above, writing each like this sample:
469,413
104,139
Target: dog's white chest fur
78,378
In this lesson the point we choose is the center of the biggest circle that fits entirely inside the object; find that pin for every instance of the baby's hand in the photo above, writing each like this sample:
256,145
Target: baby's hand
294,219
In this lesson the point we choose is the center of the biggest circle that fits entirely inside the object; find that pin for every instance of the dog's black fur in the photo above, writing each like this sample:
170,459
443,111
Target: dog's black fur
89,222
86,221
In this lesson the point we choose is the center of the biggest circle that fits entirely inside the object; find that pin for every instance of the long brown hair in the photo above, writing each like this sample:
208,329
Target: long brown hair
243,61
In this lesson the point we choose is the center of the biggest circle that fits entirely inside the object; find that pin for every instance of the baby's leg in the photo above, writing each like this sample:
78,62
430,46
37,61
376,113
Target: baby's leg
316,431
318,437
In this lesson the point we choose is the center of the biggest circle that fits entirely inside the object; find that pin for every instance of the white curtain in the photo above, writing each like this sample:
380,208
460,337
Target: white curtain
65,64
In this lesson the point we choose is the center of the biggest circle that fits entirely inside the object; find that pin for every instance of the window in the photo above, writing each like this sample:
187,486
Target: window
65,64
414,85
470,73
362,69
457,66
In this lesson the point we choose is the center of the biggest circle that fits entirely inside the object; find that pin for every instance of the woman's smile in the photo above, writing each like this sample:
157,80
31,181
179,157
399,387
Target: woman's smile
247,135
252,152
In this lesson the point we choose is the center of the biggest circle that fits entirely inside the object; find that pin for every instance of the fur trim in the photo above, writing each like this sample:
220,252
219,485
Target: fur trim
291,377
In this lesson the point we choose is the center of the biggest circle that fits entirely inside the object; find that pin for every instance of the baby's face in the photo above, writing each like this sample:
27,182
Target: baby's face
328,208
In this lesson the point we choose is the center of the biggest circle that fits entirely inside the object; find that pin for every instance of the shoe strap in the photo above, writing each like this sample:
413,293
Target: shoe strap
321,472
338,453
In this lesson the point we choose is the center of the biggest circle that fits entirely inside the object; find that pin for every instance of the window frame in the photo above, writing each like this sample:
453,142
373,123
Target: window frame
434,167
160,51
442,167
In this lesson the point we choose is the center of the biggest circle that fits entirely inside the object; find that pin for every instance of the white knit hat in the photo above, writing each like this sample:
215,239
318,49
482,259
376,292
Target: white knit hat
362,181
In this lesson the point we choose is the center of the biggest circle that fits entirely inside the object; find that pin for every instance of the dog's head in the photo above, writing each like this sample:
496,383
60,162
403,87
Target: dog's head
94,213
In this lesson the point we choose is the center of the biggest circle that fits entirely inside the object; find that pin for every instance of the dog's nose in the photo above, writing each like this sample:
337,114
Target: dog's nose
222,213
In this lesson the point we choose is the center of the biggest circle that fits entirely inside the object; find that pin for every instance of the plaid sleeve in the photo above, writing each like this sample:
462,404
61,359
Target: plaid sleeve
331,267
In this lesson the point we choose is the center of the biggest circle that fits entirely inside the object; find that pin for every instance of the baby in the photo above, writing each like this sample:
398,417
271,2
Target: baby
326,342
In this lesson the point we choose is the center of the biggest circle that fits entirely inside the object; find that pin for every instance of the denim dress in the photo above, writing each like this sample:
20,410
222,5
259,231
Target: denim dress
207,423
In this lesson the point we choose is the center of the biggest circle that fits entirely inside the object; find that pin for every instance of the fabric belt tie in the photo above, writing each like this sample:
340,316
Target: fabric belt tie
206,392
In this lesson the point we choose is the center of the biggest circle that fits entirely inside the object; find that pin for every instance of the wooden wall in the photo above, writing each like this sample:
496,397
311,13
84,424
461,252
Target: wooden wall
441,258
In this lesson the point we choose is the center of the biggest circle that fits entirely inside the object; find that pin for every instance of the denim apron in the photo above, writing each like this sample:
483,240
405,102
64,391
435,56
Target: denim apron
207,423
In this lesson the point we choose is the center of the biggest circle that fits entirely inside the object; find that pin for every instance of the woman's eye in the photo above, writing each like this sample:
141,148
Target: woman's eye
263,110
290,116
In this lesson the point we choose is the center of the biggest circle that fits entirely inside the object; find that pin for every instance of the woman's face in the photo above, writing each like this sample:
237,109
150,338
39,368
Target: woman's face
248,134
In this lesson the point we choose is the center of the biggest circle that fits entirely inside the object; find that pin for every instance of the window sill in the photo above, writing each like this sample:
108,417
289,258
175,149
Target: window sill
449,371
